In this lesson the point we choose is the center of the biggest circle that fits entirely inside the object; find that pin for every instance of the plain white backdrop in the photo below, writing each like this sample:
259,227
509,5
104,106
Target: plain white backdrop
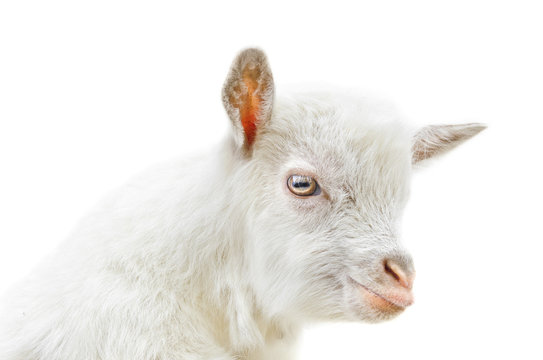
92,92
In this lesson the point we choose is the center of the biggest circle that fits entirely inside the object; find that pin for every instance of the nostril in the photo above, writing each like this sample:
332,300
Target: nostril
397,273
391,272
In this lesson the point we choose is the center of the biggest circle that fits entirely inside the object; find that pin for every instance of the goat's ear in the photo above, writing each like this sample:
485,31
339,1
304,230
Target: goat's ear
248,95
435,140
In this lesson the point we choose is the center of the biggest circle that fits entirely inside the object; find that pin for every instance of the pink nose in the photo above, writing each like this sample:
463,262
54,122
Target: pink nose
399,274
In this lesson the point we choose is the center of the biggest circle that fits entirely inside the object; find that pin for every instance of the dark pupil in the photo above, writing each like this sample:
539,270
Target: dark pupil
301,183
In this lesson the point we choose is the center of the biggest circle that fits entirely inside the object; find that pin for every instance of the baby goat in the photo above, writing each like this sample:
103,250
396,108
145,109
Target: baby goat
293,218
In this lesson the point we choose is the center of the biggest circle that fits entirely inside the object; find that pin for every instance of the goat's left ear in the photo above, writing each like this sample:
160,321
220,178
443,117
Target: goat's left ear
435,140
247,95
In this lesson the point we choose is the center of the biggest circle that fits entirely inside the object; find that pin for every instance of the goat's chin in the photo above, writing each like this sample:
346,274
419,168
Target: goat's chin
373,316
367,313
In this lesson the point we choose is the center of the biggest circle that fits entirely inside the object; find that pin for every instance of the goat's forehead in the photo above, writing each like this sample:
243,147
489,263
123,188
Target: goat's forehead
341,132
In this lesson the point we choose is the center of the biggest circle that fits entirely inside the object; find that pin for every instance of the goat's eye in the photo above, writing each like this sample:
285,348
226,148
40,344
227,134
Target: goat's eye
302,185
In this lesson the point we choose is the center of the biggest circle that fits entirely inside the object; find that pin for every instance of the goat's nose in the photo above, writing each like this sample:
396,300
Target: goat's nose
400,274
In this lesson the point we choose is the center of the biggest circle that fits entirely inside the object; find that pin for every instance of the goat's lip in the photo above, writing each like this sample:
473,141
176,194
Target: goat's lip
395,301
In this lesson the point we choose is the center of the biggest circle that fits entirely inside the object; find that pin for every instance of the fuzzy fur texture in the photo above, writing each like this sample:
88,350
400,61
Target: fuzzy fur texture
213,258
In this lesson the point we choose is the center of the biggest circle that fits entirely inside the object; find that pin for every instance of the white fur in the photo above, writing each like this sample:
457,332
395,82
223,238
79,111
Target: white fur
213,258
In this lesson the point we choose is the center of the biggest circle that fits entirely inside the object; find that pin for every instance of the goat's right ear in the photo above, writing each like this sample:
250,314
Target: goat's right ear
247,95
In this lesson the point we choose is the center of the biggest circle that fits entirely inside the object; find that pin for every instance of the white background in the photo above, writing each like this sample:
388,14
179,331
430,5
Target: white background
92,92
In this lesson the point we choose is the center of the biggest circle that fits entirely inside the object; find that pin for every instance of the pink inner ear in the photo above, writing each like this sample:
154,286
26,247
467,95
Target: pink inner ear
251,104
248,120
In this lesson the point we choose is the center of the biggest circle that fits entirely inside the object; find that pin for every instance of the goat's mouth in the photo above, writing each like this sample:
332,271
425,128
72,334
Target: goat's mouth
383,301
